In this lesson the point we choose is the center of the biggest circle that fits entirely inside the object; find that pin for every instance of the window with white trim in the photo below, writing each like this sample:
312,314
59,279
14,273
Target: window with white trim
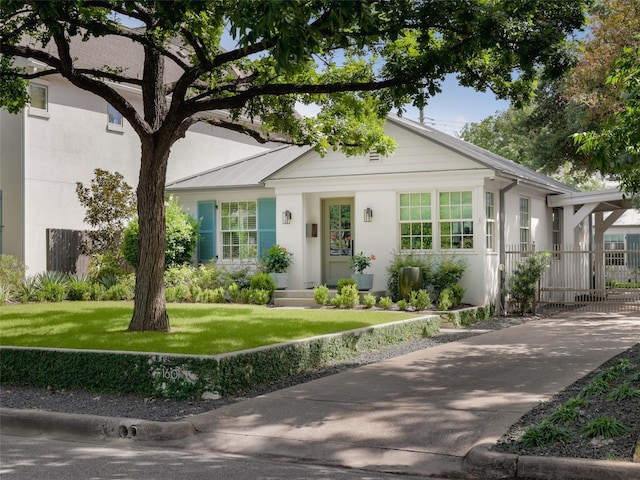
114,117
556,231
525,224
238,221
416,228
456,220
490,212
39,96
614,249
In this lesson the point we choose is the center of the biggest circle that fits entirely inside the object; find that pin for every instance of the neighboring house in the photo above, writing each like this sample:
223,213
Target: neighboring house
64,135
435,195
622,248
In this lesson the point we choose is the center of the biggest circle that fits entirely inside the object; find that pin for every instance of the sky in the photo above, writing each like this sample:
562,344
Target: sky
455,106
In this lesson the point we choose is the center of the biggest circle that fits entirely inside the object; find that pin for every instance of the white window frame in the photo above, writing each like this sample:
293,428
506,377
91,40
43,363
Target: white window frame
416,218
525,223
614,249
240,234
490,212
113,116
38,111
464,220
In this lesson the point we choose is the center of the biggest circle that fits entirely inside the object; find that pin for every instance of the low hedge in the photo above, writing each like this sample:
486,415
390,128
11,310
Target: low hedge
468,316
189,376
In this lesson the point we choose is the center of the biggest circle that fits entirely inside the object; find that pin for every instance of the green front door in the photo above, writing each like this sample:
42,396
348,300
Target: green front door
338,236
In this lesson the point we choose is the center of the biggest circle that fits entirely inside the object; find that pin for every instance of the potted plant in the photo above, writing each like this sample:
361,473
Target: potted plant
360,262
275,263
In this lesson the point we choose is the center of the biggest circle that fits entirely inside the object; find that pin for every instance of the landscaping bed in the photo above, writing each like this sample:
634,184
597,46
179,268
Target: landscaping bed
597,417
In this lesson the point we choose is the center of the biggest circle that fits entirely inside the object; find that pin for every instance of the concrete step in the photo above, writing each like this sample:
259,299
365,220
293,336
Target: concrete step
304,298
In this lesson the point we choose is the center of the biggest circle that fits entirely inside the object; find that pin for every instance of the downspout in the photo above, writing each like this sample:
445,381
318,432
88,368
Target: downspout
502,254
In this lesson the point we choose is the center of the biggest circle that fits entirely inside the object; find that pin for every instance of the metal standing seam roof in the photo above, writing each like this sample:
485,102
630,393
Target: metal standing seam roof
253,171
247,172
502,166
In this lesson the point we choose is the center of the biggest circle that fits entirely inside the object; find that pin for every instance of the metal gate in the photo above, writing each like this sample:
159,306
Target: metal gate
595,279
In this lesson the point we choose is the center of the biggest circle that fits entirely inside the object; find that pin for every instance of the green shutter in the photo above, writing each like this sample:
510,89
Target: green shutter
207,240
266,225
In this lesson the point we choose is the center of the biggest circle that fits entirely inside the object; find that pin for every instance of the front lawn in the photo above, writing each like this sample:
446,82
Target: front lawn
202,329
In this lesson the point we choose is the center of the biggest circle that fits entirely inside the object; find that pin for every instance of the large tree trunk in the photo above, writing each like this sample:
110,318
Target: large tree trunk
149,312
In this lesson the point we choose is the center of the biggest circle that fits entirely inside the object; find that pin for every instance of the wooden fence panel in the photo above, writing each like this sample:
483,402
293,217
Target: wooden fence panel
63,251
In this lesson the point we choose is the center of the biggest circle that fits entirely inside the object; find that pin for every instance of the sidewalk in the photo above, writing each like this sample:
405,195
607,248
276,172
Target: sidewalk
424,412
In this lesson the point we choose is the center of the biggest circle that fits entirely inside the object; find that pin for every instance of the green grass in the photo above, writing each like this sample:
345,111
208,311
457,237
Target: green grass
203,329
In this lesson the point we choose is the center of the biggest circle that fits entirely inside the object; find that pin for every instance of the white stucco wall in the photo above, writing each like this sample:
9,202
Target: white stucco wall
65,146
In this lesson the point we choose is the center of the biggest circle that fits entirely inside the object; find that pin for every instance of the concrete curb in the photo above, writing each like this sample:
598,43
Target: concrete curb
480,461
492,465
73,426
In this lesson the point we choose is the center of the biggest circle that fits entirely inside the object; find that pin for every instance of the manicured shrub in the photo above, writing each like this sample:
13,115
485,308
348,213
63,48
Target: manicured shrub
447,273
79,290
344,282
385,303
263,281
321,295
178,294
98,291
446,299
348,298
458,293
369,300
402,304
52,292
53,286
180,275
238,294
259,296
420,300
209,295
119,291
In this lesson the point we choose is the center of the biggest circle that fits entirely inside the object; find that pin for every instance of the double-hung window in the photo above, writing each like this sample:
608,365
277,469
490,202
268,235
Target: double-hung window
238,222
490,212
416,227
614,249
456,220
525,224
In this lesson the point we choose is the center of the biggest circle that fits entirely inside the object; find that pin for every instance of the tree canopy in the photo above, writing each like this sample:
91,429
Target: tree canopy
592,102
355,60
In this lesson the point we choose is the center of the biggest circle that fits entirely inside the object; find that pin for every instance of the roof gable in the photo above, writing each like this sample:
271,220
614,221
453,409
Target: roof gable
255,170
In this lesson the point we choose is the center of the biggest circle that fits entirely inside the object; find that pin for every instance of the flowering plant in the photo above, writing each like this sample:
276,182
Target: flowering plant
277,259
360,262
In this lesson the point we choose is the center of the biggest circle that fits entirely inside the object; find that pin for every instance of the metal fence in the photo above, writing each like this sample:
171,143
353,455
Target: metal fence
594,278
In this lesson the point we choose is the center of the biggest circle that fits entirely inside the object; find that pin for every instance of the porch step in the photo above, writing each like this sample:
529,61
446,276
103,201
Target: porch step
304,298
295,298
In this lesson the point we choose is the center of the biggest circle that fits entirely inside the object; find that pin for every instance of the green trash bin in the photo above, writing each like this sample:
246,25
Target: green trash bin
409,280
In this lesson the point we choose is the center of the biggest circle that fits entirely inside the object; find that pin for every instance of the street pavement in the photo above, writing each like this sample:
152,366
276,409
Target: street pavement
430,413
45,459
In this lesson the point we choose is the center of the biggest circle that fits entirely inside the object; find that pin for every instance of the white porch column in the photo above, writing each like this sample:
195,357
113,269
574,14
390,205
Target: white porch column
291,236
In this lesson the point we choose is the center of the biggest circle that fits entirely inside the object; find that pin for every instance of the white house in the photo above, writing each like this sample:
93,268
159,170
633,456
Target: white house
435,195
65,134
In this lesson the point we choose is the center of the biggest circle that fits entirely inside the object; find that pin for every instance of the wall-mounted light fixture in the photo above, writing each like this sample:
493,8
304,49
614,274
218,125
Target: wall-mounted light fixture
286,217
368,215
